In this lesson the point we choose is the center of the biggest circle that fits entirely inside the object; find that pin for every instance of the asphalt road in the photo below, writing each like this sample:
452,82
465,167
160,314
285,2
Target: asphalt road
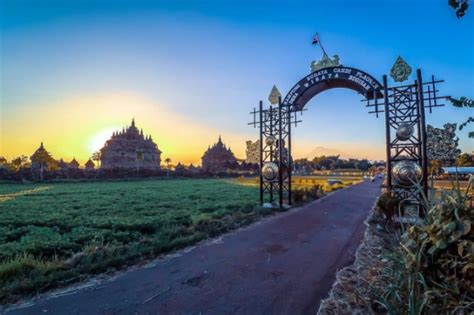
281,265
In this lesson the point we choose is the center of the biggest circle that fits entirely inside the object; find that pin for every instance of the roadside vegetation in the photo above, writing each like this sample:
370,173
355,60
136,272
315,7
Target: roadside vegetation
311,181
421,266
431,271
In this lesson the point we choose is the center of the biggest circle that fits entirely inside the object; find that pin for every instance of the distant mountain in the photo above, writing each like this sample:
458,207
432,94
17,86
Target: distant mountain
320,150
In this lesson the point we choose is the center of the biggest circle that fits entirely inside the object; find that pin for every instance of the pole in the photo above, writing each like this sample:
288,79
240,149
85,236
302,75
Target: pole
321,45
290,166
261,151
271,152
387,135
421,106
280,155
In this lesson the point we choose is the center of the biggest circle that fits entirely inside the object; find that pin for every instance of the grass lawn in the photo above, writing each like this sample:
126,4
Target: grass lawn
310,181
55,234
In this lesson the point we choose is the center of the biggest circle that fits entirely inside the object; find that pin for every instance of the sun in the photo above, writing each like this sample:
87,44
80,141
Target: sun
98,140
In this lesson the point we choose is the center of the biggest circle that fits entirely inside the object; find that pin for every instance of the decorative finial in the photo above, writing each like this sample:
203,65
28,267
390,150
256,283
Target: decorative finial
274,95
41,146
401,70
325,62
133,122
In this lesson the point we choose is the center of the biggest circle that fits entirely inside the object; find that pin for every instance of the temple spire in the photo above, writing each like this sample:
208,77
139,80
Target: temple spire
133,122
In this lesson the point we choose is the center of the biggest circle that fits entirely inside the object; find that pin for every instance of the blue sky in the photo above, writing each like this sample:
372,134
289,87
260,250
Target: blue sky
210,62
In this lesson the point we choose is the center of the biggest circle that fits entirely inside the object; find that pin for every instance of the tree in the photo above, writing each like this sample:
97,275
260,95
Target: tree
3,161
168,161
442,143
464,102
42,159
459,6
303,166
465,159
363,165
18,162
435,167
326,162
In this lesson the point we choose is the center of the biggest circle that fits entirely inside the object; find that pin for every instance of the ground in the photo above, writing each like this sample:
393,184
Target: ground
107,224
284,264
57,233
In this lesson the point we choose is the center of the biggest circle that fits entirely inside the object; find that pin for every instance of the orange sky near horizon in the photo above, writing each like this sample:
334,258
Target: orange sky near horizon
76,127
72,72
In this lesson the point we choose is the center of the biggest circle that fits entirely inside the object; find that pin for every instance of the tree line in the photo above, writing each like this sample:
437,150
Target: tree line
333,162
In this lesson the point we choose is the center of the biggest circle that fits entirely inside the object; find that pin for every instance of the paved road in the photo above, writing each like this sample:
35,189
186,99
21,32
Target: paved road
281,265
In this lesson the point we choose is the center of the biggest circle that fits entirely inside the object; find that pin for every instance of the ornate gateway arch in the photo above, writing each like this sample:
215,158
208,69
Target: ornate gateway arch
329,78
403,107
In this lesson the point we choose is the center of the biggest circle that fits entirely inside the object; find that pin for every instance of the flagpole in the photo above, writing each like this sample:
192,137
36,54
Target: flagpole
321,45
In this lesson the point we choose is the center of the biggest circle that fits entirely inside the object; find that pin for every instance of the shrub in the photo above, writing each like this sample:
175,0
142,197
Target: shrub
387,205
300,195
432,271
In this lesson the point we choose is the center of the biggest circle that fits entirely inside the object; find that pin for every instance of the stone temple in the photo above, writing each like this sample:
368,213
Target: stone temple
218,158
130,149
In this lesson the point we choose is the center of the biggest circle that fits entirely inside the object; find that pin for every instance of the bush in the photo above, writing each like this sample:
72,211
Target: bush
301,195
387,205
432,272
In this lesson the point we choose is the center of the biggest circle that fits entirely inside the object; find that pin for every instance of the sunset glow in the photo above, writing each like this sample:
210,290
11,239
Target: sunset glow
97,141
80,131
188,78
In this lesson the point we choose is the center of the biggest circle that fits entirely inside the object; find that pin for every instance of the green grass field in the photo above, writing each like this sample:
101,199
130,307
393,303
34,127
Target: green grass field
53,234
310,181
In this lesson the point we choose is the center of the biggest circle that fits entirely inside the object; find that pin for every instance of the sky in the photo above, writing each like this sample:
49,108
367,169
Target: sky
72,72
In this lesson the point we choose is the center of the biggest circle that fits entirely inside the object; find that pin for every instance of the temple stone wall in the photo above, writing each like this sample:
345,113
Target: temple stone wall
130,149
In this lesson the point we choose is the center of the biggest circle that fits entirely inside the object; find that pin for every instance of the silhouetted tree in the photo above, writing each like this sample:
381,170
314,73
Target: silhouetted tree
459,6
363,165
3,161
168,161
18,162
42,159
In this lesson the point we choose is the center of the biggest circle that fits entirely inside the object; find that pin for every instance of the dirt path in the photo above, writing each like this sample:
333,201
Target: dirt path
282,265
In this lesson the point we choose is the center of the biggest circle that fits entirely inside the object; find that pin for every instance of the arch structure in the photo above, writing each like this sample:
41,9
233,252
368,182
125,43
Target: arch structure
330,78
403,107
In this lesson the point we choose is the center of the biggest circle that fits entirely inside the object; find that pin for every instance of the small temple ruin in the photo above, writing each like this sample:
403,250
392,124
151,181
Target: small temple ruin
218,158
